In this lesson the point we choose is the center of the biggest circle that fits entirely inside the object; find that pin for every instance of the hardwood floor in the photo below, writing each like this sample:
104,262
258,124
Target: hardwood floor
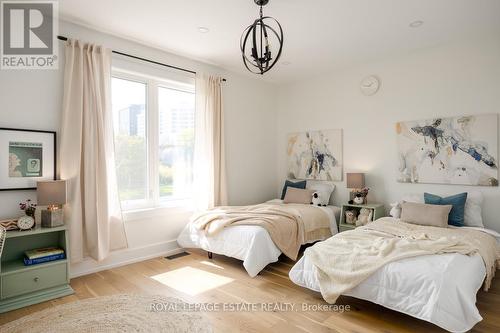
225,281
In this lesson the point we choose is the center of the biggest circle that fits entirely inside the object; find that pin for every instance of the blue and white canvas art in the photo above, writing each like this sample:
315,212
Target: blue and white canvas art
457,150
315,155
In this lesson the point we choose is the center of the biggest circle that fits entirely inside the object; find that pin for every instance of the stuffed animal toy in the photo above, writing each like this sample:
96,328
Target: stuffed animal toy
364,217
358,199
350,216
316,199
396,210
359,196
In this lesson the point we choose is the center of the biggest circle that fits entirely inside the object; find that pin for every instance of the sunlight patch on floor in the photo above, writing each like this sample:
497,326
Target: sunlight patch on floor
191,281
208,263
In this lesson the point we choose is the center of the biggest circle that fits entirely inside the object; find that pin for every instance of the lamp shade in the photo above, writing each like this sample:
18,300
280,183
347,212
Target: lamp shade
355,180
51,192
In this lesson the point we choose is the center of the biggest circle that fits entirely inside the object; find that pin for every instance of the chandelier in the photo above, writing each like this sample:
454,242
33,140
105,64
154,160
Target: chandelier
255,42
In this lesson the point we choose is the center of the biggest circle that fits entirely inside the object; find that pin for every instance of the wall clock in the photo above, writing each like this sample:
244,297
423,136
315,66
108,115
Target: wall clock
370,85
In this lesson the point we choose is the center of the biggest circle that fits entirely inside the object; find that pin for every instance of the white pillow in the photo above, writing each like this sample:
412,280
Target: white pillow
473,210
324,188
473,207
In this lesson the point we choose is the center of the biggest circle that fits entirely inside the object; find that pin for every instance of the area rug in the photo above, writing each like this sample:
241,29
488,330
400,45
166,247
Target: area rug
118,313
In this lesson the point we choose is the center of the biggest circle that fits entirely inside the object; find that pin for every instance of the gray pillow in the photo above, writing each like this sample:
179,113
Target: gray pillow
424,214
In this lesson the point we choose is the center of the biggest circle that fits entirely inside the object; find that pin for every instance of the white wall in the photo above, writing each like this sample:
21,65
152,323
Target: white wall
450,80
32,99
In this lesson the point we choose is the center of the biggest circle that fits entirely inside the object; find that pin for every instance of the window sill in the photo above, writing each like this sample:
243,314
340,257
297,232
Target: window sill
168,207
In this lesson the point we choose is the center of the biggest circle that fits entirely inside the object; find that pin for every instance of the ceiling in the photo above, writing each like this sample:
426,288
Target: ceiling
320,35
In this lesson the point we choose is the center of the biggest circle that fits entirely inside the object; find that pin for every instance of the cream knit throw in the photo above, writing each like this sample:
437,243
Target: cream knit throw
347,259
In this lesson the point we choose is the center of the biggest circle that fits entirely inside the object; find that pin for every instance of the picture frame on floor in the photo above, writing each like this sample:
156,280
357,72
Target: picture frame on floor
27,156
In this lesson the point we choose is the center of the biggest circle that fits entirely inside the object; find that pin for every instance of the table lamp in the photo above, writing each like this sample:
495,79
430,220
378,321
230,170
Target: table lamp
355,182
53,195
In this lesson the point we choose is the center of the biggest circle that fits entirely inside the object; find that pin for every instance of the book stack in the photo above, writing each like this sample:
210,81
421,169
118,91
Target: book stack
38,256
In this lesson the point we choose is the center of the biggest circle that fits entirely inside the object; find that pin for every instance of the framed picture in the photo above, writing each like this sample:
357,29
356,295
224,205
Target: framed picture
26,156
455,150
315,155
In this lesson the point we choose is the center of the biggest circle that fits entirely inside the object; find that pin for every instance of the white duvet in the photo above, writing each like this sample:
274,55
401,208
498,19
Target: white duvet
440,289
251,244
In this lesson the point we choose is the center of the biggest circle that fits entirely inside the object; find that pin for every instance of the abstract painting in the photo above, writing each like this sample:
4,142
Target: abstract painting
457,150
315,155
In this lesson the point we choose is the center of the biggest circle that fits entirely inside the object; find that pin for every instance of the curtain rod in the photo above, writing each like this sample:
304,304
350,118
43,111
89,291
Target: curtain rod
144,59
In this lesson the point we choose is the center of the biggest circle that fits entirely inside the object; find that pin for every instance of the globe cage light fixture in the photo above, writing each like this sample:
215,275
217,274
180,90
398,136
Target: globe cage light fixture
255,41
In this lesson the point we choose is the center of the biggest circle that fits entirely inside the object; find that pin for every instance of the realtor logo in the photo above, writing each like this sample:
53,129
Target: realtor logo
29,35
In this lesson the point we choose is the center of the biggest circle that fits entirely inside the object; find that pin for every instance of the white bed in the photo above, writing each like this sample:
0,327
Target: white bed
440,289
251,244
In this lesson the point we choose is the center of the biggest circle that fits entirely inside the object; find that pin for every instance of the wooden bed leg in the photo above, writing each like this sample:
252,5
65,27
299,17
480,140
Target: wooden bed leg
210,254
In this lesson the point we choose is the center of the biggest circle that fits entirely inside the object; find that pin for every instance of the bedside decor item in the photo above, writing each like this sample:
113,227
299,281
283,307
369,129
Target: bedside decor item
370,85
365,216
257,40
356,182
457,213
27,156
9,224
40,256
53,195
350,216
362,194
315,155
456,150
25,222
28,207
358,199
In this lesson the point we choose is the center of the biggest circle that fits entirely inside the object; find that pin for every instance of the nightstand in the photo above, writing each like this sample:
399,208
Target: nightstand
378,212
25,285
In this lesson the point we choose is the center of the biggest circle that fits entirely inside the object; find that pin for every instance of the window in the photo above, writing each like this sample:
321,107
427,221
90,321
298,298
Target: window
154,139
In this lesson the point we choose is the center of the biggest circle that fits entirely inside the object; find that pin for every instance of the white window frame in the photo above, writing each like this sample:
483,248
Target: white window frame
152,131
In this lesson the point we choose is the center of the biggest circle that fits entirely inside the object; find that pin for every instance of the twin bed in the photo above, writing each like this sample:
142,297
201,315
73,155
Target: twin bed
250,243
439,288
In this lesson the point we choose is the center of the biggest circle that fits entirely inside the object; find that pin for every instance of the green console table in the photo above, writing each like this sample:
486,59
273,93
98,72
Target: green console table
22,285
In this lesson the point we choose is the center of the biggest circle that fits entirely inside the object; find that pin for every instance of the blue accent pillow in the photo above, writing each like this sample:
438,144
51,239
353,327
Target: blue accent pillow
300,184
456,216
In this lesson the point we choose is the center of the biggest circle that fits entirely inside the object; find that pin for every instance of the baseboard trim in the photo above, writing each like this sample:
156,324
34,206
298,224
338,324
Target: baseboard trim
124,257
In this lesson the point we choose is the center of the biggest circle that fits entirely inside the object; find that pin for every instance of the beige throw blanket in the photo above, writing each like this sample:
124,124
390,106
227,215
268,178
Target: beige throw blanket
288,225
347,259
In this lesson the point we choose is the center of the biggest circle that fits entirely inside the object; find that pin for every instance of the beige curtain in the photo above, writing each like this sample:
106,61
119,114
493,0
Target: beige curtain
210,160
87,153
